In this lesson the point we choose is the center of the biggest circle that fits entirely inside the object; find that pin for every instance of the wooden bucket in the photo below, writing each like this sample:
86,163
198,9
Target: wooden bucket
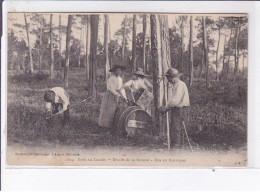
132,121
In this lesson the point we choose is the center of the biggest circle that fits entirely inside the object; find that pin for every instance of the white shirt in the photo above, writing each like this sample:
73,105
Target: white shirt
178,95
135,85
61,96
115,85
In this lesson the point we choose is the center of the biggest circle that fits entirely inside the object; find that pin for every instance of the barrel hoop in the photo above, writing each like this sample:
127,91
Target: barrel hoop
139,109
127,109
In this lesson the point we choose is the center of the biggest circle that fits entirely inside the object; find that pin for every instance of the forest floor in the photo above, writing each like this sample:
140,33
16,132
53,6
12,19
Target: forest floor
216,121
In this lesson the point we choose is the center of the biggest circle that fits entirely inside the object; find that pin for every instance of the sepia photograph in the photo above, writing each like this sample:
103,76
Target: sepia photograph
127,89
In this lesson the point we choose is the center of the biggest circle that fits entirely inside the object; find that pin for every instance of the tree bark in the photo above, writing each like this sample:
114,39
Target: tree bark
229,53
205,47
107,67
134,44
31,69
144,40
237,50
155,63
60,37
67,55
202,63
123,43
51,50
191,52
40,46
80,40
219,34
182,47
94,19
87,48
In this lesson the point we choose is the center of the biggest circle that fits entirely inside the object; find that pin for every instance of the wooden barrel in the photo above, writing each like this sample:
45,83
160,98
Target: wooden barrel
132,121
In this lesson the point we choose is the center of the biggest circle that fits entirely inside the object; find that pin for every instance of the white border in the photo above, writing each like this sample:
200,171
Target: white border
66,179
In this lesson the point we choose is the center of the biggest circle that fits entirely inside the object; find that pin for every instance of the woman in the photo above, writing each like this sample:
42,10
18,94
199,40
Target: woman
138,82
111,99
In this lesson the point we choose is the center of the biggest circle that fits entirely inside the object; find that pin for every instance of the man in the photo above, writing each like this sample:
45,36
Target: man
178,97
57,102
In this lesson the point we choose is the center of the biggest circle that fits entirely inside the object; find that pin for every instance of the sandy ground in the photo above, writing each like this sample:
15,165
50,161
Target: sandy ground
59,155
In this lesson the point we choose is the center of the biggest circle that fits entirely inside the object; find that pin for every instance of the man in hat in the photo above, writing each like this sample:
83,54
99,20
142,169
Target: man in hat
114,94
57,102
178,97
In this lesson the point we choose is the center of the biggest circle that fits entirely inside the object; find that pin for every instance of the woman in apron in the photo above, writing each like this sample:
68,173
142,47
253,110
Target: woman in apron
114,94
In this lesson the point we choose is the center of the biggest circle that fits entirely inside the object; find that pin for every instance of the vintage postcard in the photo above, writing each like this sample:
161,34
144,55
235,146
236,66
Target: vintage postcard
127,89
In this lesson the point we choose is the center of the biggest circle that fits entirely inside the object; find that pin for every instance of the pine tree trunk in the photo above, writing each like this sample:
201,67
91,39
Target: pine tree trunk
182,48
134,44
67,55
40,46
31,69
94,19
144,40
205,47
165,63
219,34
202,64
107,67
60,37
51,50
87,48
237,50
155,63
191,52
80,40
229,53
123,43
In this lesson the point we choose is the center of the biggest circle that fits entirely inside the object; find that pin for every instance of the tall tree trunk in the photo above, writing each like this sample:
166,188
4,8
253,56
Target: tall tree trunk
182,48
80,40
219,34
31,69
94,19
123,42
107,67
205,47
237,50
224,56
87,48
148,55
144,40
191,52
202,64
67,55
60,37
165,63
51,50
40,46
156,70
243,63
229,53
134,43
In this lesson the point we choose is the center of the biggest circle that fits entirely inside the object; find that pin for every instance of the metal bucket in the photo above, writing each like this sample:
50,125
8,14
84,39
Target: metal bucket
132,121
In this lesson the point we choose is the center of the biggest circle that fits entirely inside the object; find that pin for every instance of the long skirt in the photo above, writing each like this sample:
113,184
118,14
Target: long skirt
107,110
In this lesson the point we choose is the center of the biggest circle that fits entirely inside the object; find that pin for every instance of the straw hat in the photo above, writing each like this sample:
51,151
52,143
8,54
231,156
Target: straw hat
172,73
139,71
